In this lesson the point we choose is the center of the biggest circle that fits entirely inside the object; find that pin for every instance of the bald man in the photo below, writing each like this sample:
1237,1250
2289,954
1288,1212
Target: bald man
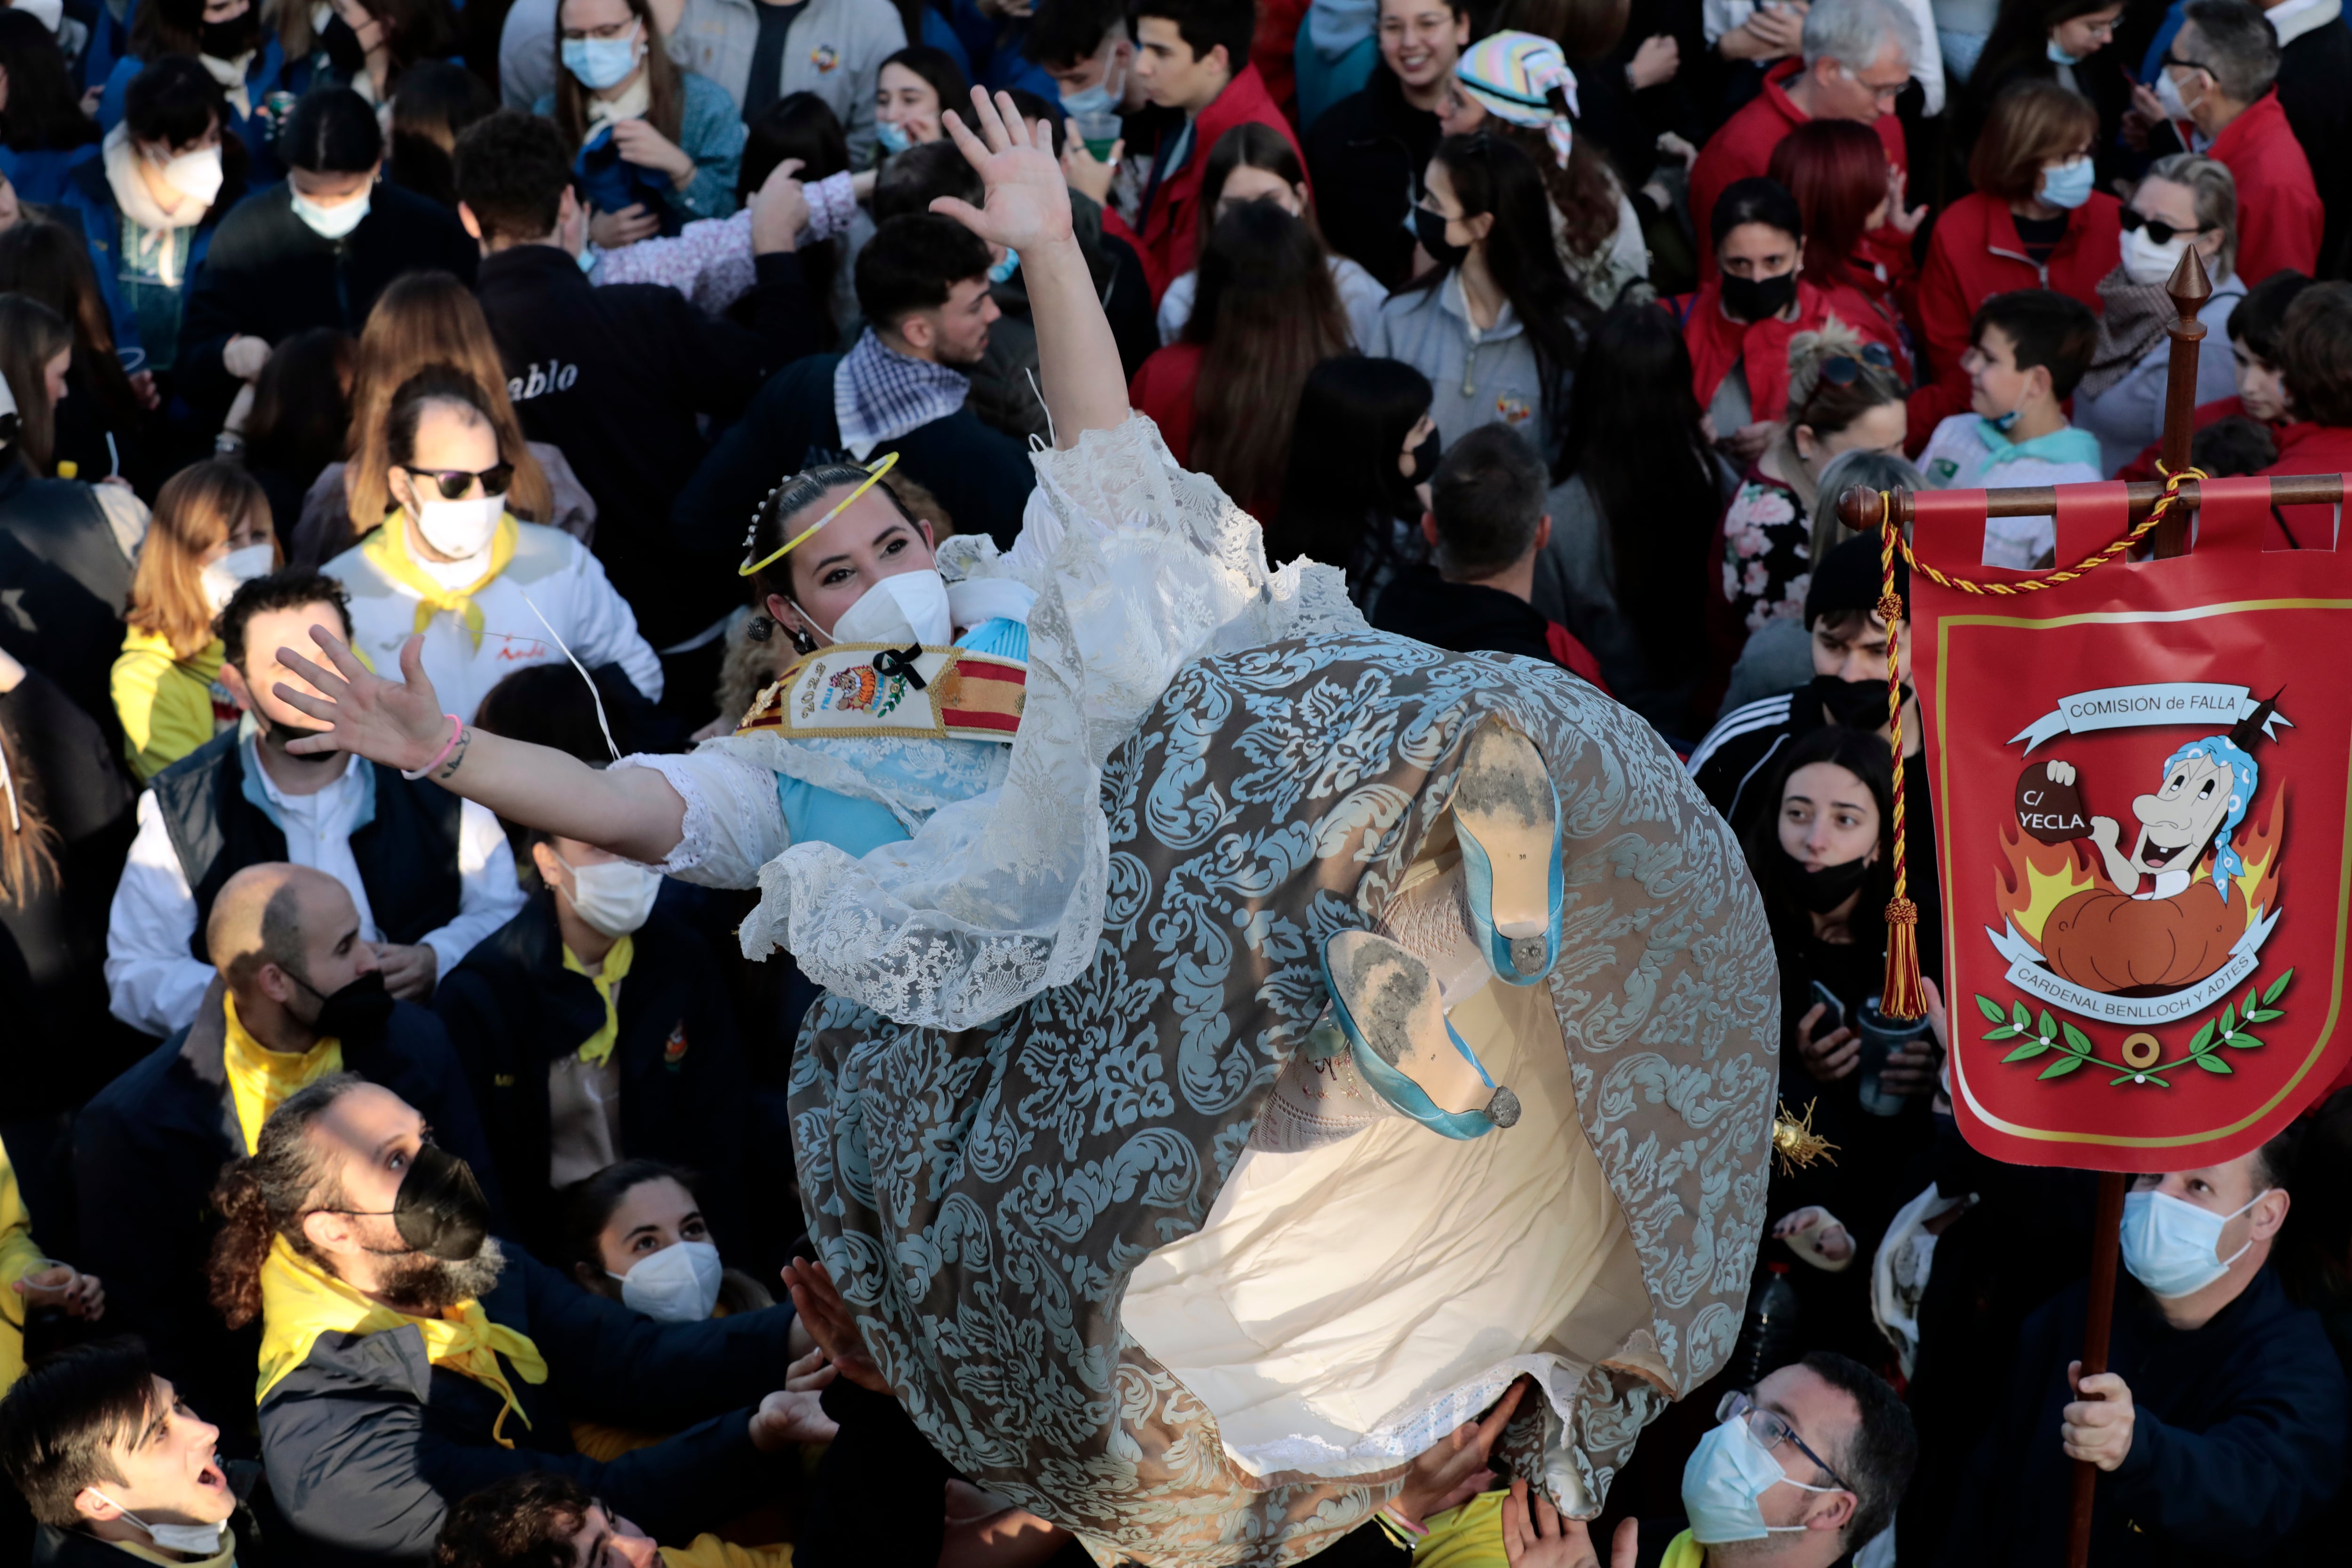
298,994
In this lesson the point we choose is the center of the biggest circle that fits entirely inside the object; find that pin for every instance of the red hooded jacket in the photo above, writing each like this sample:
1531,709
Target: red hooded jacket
2280,215
2307,448
1976,254
1171,221
1716,342
1743,148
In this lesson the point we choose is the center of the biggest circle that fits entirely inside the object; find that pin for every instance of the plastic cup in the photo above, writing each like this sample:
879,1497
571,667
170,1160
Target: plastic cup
1099,129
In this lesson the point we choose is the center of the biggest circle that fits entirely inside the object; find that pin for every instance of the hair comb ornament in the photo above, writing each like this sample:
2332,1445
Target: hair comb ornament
873,472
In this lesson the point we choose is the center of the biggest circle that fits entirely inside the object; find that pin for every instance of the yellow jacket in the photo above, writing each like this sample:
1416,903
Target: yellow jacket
19,1255
169,707
709,1551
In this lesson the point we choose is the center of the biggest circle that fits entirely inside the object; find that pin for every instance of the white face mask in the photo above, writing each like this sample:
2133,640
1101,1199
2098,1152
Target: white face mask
195,175
2172,1247
613,896
679,1284
460,530
221,578
331,223
197,1540
2147,263
910,607
2168,93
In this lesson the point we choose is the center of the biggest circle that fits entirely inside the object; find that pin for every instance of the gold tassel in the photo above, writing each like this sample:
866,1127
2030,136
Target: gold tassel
1901,996
1795,1142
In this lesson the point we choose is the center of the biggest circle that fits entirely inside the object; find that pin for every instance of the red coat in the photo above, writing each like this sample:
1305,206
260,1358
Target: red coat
1171,224
2307,448
2280,215
1976,254
1743,148
1163,389
1716,342
1274,49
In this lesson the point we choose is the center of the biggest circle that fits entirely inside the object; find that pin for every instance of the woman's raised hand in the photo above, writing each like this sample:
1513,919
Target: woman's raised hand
396,723
1028,202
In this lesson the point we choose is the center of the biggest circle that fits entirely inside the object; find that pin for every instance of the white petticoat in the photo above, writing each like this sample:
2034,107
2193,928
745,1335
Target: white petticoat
1140,567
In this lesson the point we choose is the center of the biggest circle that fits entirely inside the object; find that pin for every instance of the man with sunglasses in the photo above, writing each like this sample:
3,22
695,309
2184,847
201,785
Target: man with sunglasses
1858,57
2219,78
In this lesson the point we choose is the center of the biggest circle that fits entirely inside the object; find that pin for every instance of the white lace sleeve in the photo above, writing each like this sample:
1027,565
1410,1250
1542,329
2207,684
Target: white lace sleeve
734,822
1000,896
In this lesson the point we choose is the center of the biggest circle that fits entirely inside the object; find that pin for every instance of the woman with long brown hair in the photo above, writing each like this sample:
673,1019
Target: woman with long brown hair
211,532
427,319
1226,395
101,424
648,135
36,350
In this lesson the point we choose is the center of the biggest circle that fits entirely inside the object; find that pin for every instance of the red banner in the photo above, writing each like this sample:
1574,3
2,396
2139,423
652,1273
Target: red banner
2141,782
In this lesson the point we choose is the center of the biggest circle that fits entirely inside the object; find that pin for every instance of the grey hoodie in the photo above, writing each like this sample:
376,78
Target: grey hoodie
1479,378
835,51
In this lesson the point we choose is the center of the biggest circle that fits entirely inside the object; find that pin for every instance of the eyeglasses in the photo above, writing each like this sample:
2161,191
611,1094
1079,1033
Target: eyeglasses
1771,1429
2157,229
456,482
1845,370
2172,59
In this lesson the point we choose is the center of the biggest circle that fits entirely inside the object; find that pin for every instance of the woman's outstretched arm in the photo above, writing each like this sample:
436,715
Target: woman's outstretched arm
1028,210
628,810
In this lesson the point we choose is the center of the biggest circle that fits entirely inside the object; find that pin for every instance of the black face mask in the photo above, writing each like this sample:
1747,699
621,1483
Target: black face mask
1401,494
1854,704
356,1015
1821,891
227,40
1758,299
342,47
1429,227
441,1211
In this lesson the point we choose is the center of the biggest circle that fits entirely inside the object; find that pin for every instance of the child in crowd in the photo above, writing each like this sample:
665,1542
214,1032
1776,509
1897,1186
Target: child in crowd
2026,352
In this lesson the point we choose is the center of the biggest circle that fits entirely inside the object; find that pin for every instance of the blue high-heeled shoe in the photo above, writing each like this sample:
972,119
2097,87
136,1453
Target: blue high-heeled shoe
1385,1001
1507,817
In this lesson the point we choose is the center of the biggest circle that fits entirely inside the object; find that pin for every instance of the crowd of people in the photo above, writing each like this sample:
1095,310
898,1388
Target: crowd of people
471,341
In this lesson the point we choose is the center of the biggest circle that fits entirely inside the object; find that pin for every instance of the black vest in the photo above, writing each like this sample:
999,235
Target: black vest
407,856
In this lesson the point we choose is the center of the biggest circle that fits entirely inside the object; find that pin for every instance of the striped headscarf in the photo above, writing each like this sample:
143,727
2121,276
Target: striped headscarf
1512,74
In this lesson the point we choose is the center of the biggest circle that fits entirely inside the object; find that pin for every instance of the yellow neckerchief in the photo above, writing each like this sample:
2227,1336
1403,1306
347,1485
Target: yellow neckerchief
387,549
260,1078
1682,1552
1470,1536
597,1048
300,1300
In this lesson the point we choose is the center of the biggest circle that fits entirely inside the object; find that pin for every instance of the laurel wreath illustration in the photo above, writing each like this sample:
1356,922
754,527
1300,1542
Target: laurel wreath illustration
2143,1054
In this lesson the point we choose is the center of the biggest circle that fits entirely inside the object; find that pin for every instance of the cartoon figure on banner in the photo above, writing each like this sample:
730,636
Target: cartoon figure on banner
2146,921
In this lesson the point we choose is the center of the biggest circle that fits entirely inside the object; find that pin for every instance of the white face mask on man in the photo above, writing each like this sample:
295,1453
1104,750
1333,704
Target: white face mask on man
220,579
460,530
196,1540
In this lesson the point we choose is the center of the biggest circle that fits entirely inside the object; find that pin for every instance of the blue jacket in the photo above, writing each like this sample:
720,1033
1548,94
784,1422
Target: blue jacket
367,1444
711,133
2238,1438
41,175
134,291
147,1150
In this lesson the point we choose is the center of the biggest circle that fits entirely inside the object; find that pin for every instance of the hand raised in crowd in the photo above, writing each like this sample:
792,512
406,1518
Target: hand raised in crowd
1833,1055
410,970
1901,219
1089,175
632,223
1535,1536
795,1413
780,211
1028,202
831,1323
62,1286
2096,1427
639,143
396,723
1452,1471
244,356
1657,60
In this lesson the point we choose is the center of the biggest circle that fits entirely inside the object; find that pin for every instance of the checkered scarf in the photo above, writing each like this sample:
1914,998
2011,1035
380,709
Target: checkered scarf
879,393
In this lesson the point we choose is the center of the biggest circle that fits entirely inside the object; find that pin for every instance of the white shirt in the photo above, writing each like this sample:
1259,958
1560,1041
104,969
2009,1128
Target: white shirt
549,569
1718,18
1958,458
152,982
